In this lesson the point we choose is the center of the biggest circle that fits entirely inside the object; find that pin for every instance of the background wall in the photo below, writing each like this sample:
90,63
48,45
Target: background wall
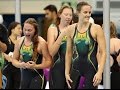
30,6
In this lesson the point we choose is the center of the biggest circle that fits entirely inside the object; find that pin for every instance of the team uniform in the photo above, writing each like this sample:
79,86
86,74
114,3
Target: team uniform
57,72
85,64
31,78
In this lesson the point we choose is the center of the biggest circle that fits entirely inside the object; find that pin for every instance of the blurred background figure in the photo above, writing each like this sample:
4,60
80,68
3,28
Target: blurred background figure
50,17
114,57
3,48
12,73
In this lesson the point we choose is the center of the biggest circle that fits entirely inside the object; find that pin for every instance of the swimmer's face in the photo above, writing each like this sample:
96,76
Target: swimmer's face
28,30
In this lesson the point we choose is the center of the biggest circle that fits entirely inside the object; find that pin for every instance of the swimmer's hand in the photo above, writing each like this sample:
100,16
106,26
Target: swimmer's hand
68,80
31,64
97,79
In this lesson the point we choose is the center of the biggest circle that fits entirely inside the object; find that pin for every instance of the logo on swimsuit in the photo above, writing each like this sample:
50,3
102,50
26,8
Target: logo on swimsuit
81,35
64,38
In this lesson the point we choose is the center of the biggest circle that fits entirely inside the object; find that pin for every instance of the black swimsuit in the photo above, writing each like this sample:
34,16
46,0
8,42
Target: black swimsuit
31,78
85,64
115,72
115,67
57,72
11,72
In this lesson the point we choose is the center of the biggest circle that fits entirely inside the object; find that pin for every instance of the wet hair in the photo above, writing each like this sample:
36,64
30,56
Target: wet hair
34,23
12,26
61,10
51,8
81,4
112,30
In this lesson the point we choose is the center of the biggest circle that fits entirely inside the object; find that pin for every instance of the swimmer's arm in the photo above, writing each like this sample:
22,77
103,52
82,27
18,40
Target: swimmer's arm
102,49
